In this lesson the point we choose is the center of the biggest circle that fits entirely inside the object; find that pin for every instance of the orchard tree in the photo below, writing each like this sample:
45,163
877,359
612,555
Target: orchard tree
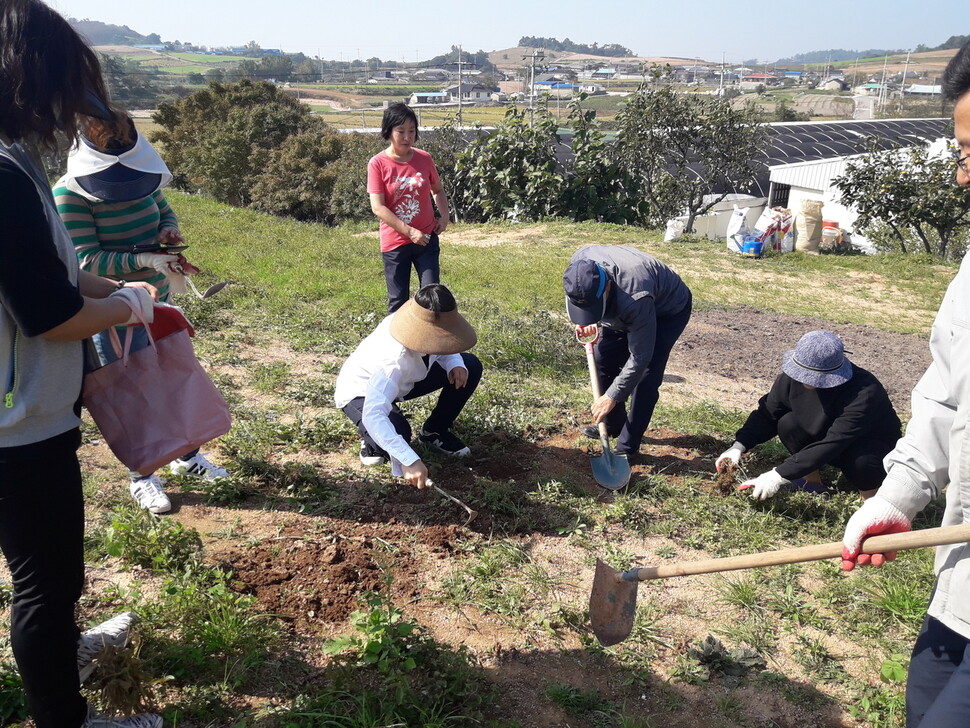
511,173
912,191
220,139
685,153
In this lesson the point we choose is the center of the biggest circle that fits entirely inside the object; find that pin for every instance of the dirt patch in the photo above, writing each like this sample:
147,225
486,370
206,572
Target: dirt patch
732,357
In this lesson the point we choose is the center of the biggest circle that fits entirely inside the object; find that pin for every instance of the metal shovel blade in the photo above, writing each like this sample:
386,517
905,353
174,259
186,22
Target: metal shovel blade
214,289
611,470
612,605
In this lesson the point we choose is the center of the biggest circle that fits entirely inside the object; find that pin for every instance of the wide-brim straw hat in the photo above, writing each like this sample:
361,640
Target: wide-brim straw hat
421,329
818,360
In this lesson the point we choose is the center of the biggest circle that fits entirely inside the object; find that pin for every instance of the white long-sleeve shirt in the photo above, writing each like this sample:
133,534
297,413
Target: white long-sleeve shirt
383,371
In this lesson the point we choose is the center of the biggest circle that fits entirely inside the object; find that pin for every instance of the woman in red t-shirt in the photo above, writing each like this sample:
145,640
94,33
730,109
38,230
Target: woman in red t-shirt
401,181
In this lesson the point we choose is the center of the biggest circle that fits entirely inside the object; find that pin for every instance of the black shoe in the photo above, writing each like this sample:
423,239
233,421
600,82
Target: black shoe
593,432
445,442
372,455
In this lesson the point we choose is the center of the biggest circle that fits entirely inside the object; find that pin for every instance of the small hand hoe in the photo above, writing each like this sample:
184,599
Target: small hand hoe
613,600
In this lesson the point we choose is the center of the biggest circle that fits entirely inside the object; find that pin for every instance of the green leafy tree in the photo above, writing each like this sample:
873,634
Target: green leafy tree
445,144
277,67
512,172
349,200
298,180
685,153
219,140
597,186
129,83
910,191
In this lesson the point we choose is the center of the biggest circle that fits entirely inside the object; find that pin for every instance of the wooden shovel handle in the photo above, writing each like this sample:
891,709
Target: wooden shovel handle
594,381
872,545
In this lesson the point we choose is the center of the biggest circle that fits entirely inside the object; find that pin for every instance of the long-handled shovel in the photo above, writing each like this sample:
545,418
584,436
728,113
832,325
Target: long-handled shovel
613,600
611,470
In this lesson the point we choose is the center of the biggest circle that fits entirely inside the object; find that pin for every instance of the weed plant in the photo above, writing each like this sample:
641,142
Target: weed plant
140,538
500,579
390,671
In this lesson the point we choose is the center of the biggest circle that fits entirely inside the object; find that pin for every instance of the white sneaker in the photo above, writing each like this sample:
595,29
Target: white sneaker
92,642
198,465
142,720
149,494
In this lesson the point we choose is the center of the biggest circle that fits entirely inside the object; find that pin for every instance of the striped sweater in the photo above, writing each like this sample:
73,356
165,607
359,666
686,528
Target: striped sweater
93,224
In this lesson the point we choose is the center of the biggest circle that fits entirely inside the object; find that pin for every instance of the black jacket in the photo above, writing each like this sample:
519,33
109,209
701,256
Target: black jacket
830,419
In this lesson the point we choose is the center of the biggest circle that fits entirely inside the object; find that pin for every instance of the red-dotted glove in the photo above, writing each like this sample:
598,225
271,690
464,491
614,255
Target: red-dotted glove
732,455
875,516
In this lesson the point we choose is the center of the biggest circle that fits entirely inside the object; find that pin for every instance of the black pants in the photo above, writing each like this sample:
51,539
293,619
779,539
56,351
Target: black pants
397,270
938,684
451,401
612,352
41,535
861,462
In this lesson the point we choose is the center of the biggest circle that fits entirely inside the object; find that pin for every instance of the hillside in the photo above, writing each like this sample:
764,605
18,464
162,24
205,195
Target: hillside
486,624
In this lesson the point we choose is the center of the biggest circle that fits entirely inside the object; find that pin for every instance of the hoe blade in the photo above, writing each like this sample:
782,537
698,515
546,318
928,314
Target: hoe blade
612,605
612,471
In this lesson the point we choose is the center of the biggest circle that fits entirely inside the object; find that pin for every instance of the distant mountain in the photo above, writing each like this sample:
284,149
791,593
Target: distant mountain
840,54
552,44
98,33
833,55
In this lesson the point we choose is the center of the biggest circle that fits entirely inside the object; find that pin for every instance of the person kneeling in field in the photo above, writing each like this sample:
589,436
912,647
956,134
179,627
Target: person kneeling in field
826,411
411,353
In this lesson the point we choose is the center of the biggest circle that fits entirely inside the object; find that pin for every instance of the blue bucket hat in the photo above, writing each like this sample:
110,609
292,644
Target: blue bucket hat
585,284
818,360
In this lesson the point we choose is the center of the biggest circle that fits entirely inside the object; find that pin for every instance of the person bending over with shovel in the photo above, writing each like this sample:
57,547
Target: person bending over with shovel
932,459
826,411
642,307
413,352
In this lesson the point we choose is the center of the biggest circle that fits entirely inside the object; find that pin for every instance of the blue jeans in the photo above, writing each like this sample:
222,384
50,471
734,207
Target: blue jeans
938,684
397,270
106,353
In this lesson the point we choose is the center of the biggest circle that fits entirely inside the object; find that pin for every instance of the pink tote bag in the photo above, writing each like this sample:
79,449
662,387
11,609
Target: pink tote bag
158,403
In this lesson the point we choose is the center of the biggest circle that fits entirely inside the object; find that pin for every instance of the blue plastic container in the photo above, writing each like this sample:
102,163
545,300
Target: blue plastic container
751,248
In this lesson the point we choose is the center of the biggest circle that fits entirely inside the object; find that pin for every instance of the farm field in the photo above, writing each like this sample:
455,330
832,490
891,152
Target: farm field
308,590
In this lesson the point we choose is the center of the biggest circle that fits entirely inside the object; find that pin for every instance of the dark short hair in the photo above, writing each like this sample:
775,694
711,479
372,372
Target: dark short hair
46,73
436,297
396,114
956,77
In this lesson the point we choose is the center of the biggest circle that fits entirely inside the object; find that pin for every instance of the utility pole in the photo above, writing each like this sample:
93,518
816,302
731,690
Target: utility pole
537,55
902,85
459,87
883,92
720,86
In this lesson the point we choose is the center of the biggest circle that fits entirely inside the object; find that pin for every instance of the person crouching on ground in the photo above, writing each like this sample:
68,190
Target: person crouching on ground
826,411
413,352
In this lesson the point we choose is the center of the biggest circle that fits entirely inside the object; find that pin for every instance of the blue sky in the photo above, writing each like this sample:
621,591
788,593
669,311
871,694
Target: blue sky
415,29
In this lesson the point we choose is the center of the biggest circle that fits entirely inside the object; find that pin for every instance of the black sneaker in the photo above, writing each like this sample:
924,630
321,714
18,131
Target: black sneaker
445,442
372,455
593,432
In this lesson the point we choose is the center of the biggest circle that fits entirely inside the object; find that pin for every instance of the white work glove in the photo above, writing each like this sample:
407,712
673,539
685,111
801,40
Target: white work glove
875,516
732,454
765,485
140,301
176,282
161,263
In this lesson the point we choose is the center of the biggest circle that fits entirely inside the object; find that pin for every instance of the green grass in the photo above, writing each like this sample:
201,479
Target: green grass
315,292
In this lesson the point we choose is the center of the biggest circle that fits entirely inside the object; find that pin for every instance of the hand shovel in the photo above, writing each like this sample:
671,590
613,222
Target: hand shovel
613,599
611,471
